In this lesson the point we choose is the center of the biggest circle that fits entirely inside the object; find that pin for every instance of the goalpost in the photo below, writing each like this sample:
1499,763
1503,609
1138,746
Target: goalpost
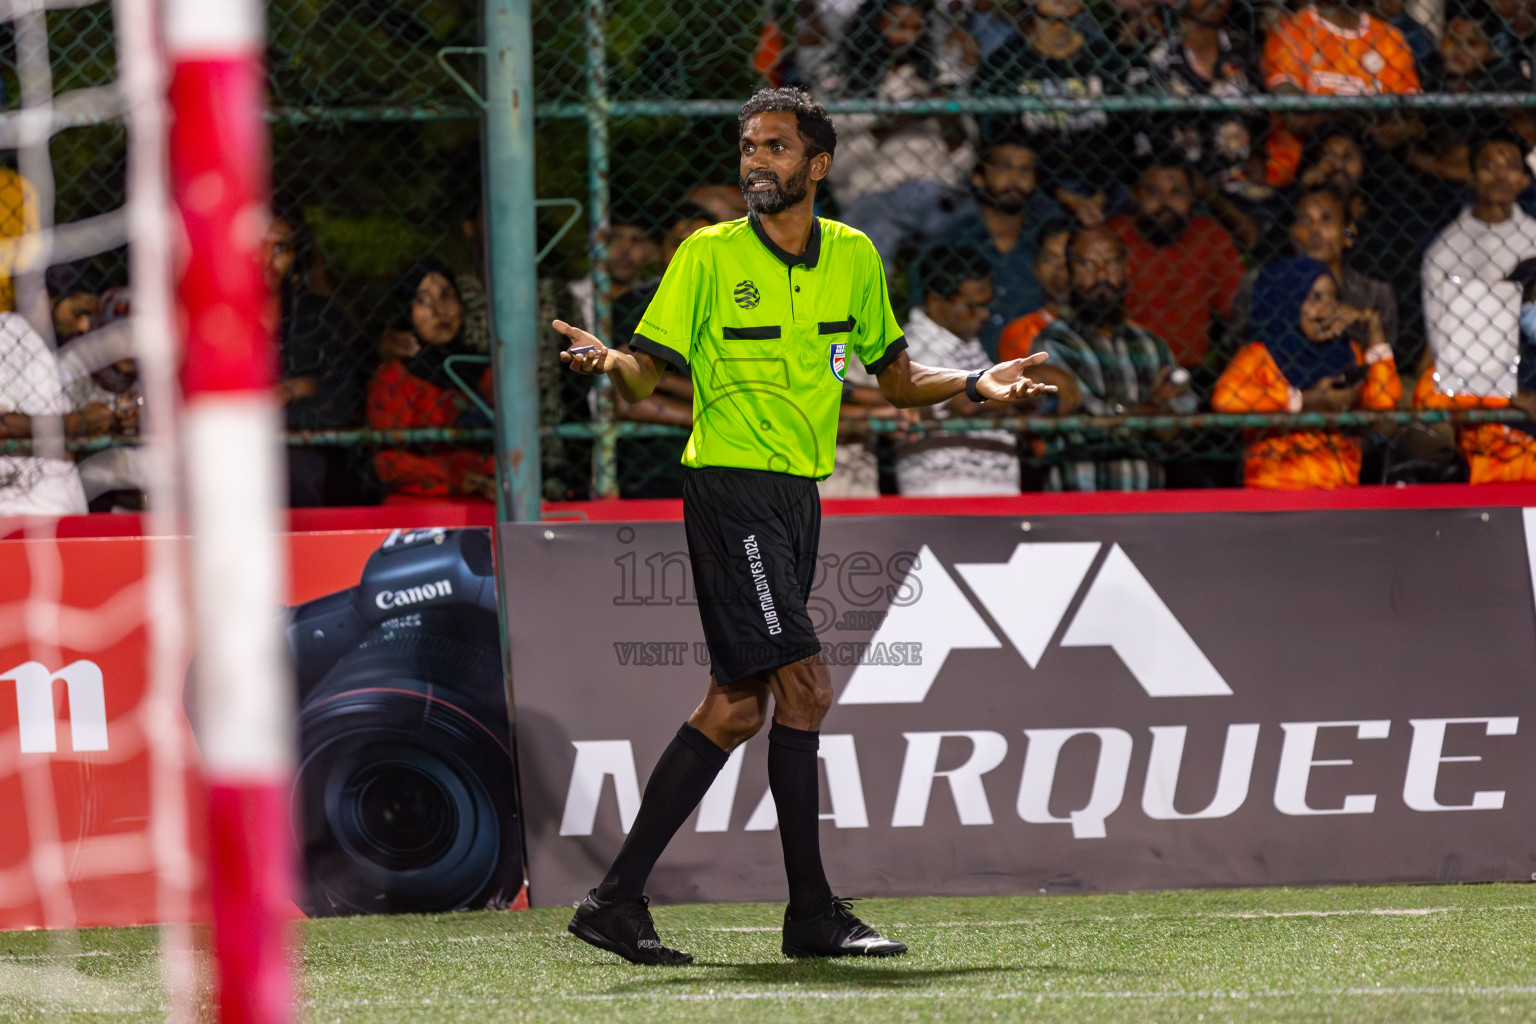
219,174
190,88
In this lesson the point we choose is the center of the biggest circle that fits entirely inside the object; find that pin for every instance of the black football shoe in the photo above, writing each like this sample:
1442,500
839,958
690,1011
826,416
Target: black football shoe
624,927
835,932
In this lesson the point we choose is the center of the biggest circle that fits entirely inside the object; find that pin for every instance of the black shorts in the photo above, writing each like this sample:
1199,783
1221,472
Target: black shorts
752,538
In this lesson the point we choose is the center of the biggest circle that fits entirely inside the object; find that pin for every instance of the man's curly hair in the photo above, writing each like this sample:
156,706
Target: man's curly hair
812,121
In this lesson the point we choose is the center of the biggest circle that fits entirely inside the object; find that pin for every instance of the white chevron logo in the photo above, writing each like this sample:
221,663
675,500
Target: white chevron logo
1027,597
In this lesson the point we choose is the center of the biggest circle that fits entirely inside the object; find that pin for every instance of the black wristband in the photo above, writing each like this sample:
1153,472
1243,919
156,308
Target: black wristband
970,386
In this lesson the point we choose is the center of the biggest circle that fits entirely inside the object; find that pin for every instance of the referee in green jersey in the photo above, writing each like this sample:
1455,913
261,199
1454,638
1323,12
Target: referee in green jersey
764,313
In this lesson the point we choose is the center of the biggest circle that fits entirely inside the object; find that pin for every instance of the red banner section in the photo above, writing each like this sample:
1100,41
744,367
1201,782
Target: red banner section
1100,503
75,766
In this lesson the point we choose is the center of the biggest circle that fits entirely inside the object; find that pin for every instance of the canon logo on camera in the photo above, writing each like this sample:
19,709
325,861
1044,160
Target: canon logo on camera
413,595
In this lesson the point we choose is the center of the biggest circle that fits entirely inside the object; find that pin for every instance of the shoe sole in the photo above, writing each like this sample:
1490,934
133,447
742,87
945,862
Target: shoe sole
803,954
594,938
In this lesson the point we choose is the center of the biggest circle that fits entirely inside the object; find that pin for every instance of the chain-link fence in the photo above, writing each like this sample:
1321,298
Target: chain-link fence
375,254
1134,188
1263,243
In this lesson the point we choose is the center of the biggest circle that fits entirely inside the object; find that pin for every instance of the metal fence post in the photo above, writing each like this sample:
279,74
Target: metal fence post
605,481
511,266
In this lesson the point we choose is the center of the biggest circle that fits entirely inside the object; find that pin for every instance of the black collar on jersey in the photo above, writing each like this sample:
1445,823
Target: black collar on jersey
812,248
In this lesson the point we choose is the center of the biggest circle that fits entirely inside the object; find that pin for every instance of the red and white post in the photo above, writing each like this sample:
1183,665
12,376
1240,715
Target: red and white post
233,445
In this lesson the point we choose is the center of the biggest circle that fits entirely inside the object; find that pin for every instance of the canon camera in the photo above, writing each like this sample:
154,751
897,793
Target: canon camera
405,798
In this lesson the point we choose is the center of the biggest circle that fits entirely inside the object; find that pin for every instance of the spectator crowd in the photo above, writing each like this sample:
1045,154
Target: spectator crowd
1182,261
69,380
1172,263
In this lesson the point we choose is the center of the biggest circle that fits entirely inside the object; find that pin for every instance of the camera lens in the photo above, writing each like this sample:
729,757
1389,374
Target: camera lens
402,815
405,798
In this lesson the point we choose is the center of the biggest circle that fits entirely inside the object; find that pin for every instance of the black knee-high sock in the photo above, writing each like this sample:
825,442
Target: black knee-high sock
684,773
794,779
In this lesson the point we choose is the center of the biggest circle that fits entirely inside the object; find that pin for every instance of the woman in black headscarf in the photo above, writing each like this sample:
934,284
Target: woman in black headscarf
412,388
1302,359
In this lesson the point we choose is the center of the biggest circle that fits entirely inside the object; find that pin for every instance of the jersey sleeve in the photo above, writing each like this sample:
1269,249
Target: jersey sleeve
1383,388
1401,75
1019,335
680,309
1253,383
1284,62
877,338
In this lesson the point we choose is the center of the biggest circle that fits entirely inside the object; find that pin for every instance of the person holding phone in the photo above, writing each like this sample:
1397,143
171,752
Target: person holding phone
1303,360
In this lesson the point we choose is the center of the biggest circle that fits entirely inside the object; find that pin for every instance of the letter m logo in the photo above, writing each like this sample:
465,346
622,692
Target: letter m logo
1027,598
34,706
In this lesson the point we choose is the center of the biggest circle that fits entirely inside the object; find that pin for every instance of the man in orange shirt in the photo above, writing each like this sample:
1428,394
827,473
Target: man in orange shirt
1184,268
1338,50
1332,49
1051,272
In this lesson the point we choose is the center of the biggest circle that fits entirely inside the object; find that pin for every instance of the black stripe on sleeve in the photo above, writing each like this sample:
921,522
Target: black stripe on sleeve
836,326
749,333
655,348
892,350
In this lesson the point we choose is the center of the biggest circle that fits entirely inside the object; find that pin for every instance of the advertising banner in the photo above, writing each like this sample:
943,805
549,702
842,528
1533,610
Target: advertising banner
1064,703
405,797
77,777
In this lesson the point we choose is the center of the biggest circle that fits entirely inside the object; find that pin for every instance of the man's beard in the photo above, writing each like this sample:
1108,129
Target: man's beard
1103,305
1342,184
1010,201
781,196
110,378
1163,229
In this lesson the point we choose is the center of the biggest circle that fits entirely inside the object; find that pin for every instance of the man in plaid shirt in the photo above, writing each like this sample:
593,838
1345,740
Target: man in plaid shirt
1104,365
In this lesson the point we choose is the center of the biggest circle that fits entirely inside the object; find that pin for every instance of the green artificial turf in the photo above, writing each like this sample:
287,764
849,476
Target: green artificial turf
1431,953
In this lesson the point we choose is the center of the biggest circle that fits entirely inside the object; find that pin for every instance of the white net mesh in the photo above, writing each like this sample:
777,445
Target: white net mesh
95,753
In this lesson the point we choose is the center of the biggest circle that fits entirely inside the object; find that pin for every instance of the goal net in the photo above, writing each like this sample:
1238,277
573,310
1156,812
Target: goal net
134,375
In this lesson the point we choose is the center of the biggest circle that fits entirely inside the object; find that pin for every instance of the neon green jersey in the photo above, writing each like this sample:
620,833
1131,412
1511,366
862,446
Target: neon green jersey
767,337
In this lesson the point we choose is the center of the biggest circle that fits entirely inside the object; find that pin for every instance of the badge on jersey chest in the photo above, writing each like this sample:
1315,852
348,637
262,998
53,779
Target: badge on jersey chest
839,359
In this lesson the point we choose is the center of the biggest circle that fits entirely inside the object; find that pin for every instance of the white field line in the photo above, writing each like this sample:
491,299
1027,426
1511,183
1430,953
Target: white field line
1043,922
75,955
1481,991
804,995
1027,995
1219,915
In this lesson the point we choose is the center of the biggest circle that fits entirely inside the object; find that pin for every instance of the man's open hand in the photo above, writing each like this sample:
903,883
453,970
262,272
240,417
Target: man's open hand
95,419
1007,382
587,354
1332,394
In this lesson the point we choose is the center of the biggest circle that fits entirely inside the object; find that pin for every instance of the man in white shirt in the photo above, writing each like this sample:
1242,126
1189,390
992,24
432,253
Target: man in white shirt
33,405
957,291
1471,312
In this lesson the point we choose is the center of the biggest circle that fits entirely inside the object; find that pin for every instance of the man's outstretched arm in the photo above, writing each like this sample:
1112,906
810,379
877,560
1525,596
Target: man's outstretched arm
634,374
906,384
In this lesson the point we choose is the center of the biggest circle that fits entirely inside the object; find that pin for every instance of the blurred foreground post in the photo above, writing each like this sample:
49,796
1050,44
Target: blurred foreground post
233,435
